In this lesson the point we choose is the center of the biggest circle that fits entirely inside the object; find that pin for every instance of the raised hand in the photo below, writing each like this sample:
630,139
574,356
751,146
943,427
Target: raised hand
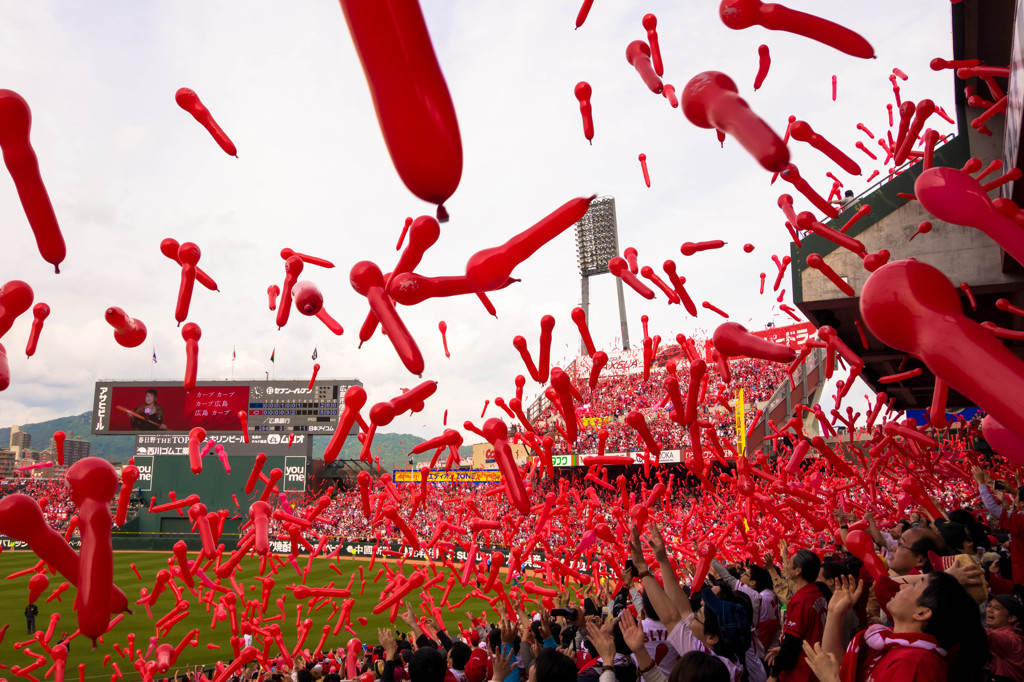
846,594
632,633
657,543
824,665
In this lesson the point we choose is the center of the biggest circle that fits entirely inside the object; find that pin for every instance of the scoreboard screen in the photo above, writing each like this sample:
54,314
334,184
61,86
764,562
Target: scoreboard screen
281,407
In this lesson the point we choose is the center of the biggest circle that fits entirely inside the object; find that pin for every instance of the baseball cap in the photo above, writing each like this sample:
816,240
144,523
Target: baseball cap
1013,605
476,666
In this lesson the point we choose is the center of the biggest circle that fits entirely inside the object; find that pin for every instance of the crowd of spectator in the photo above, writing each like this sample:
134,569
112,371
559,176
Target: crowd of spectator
617,394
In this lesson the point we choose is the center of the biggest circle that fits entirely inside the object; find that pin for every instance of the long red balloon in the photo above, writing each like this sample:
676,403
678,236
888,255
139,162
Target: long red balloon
188,100
740,14
20,159
489,268
414,108
711,100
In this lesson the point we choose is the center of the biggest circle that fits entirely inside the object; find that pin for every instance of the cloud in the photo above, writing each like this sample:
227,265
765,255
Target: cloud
126,167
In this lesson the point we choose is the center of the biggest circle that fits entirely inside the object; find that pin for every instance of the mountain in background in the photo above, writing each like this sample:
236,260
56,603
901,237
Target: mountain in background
392,448
113,448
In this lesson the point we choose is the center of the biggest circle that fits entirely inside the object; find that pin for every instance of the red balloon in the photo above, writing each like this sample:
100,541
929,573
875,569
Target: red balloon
733,340
764,63
22,519
383,413
583,92
489,268
292,269
128,332
638,53
952,195
188,256
305,258
580,318
923,110
129,475
365,481
710,100
802,132
36,585
259,512
415,581
197,515
690,248
195,441
561,383
355,398
862,546
391,513
740,14
367,280
620,268
93,483
20,159
818,263
272,292
410,288
58,439
1002,440
914,308
191,333
423,233
650,24
169,247
547,325
15,298
496,433
308,298
636,421
581,16
254,475
643,166
705,553
189,101
5,370
443,328
40,311
519,343
414,108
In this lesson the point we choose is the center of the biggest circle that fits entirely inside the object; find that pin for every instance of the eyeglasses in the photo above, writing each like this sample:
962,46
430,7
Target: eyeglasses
903,545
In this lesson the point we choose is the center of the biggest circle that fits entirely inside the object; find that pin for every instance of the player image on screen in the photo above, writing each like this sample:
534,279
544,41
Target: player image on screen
149,416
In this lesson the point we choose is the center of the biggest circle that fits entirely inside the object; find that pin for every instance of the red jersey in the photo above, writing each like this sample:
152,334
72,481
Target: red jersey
1013,523
880,655
805,618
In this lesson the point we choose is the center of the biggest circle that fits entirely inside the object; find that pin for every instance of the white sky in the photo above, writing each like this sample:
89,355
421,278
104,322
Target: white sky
125,168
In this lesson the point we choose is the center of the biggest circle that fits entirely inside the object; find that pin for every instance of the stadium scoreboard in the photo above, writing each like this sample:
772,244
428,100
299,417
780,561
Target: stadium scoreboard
272,407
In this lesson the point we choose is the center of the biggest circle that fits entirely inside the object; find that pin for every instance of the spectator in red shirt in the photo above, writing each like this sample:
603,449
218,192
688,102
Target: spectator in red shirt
804,620
1003,619
936,634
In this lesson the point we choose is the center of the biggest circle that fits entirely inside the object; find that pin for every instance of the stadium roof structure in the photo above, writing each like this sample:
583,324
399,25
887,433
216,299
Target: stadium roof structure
988,31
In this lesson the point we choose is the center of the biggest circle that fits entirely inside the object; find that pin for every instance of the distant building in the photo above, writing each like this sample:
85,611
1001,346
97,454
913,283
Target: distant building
20,441
7,465
74,449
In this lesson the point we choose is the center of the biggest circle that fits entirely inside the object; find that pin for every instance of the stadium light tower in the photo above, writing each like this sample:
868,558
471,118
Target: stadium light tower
597,242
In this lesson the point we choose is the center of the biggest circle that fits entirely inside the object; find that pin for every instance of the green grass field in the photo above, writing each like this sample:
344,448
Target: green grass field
14,594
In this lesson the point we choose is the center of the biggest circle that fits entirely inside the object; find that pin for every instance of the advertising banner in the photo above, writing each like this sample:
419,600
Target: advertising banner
441,476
